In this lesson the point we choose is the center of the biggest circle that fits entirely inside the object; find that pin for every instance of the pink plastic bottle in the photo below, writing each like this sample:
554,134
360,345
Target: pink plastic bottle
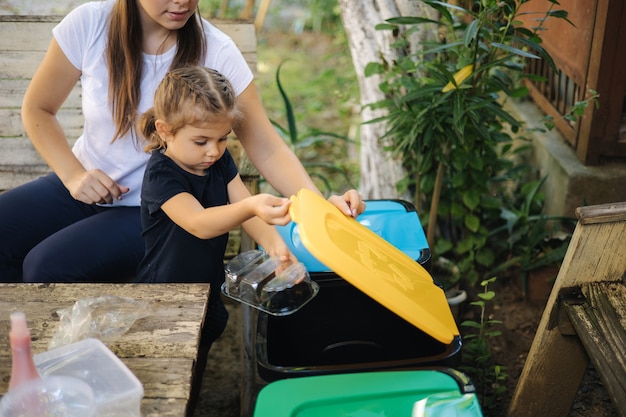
23,367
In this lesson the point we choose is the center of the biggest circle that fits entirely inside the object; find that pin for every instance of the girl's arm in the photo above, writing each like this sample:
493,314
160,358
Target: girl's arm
261,232
49,88
273,158
205,223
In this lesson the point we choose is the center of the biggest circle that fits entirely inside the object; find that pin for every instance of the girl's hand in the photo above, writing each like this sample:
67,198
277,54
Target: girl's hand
279,249
351,203
95,187
271,209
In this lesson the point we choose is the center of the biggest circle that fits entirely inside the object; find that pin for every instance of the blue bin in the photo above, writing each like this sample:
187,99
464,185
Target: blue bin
396,221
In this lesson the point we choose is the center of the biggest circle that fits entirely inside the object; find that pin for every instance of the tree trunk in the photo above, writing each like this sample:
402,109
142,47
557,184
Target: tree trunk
379,170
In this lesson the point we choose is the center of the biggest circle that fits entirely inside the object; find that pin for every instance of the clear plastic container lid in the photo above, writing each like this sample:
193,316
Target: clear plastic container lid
263,282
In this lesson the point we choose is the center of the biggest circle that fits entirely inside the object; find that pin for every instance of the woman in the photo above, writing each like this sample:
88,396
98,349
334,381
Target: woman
82,223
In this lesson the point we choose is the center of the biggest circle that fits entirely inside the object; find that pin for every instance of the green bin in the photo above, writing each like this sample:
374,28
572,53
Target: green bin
416,393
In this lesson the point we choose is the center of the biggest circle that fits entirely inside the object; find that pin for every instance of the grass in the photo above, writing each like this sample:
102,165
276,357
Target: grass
317,74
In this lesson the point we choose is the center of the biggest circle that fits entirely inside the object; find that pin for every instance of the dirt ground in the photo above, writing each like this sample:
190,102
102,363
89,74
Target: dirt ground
220,392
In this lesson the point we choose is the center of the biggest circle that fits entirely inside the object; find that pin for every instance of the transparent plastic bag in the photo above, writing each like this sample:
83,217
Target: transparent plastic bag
105,318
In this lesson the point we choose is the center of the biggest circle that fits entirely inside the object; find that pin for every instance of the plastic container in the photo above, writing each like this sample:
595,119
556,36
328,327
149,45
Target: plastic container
52,396
416,393
261,281
117,391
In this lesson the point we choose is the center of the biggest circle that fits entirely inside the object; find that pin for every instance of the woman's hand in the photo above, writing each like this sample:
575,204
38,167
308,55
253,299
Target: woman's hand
95,187
351,203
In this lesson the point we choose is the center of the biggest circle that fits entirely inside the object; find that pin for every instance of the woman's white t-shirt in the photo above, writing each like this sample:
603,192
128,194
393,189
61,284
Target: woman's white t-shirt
82,36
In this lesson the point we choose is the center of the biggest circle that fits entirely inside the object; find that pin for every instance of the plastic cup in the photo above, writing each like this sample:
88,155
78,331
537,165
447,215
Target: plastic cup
53,396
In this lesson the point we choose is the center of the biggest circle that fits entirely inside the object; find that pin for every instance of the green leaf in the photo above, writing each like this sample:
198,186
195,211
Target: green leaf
470,32
485,257
374,68
471,199
411,20
472,222
385,26
487,295
515,51
291,119
472,324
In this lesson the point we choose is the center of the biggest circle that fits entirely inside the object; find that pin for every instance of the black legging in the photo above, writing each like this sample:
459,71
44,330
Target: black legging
48,236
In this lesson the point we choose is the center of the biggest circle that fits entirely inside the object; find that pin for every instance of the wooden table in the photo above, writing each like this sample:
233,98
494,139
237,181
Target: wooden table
160,349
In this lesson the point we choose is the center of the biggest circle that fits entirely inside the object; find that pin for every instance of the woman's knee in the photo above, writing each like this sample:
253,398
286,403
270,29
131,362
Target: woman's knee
40,266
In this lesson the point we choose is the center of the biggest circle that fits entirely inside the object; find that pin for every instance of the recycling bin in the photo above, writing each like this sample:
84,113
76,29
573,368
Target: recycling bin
417,393
343,329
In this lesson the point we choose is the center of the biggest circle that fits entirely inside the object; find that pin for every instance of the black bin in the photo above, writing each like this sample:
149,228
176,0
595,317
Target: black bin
342,329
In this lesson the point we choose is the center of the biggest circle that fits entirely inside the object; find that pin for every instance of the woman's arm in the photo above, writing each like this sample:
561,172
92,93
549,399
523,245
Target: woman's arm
273,158
49,88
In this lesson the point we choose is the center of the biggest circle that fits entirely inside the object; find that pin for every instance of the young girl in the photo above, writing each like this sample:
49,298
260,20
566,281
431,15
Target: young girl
192,194
82,223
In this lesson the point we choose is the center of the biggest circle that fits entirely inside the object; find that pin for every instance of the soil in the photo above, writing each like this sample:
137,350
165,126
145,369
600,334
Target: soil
520,317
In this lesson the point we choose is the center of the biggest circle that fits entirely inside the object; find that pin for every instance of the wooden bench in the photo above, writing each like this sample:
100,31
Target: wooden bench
23,42
584,320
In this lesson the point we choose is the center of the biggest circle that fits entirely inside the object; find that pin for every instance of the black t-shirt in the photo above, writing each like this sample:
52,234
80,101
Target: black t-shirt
172,253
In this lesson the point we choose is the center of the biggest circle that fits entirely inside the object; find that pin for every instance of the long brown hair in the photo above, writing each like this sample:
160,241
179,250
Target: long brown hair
124,59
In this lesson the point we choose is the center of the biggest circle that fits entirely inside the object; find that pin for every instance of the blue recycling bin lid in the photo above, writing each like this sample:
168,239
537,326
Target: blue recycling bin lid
396,221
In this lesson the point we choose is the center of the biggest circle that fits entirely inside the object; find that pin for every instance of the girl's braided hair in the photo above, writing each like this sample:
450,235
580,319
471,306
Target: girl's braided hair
192,95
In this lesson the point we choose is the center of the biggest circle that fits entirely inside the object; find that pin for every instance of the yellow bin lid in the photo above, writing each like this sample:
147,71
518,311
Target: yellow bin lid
373,265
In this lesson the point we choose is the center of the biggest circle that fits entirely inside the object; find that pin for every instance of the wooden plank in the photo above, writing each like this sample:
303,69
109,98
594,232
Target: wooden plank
556,363
598,317
163,407
26,33
71,119
12,93
11,178
19,64
602,213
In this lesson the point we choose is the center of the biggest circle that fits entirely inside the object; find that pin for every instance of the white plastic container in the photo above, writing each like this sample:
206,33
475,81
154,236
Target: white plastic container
117,391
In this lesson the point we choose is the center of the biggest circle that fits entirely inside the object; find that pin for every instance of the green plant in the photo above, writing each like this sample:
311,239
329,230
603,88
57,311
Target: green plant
478,361
446,119
317,149
576,112
529,239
